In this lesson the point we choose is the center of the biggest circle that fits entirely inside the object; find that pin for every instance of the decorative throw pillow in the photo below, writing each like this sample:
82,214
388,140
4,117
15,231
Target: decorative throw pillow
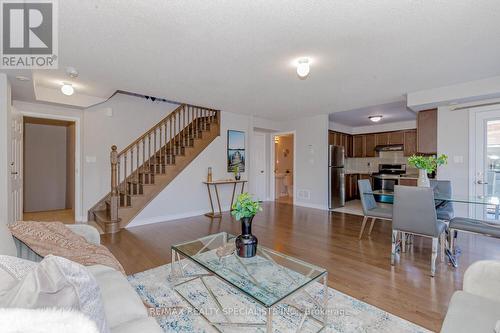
12,270
58,283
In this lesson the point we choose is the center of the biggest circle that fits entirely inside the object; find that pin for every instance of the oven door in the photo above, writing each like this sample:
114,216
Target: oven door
384,184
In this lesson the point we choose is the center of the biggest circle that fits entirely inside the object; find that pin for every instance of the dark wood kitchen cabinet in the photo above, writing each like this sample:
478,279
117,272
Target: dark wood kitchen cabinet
358,143
396,138
369,145
427,132
341,139
382,139
410,139
351,185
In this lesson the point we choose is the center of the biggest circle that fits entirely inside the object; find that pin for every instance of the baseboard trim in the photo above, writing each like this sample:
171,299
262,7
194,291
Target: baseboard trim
171,217
310,205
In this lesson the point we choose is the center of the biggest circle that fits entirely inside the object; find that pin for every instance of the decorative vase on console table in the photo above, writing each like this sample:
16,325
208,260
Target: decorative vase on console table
236,171
425,165
244,209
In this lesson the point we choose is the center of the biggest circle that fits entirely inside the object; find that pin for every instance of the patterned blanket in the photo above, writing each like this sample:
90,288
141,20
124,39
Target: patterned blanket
54,238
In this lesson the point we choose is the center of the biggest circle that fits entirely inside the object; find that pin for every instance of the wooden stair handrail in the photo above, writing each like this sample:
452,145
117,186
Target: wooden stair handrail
148,155
151,130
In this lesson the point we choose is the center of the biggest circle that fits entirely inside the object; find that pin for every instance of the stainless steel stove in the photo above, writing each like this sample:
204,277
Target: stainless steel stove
386,178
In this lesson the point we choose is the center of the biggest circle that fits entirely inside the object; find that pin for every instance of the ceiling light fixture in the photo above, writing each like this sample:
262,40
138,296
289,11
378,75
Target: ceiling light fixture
303,67
375,119
67,89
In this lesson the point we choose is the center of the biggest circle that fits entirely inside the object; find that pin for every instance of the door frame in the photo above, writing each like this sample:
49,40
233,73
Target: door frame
255,170
272,178
476,114
79,216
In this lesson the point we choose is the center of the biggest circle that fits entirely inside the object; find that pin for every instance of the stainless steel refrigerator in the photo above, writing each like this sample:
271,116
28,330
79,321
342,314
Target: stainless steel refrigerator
336,177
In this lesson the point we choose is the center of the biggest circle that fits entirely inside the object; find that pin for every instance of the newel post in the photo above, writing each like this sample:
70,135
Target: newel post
114,184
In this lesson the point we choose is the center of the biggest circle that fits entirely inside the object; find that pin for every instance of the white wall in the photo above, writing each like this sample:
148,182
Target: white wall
453,140
131,117
186,195
311,169
5,101
44,167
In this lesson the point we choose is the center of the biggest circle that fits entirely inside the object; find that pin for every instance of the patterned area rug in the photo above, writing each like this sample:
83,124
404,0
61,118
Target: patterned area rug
173,313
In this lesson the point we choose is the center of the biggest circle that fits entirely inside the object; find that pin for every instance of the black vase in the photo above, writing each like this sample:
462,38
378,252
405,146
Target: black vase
246,243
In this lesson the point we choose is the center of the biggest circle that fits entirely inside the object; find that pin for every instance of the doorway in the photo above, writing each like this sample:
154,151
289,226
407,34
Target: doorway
284,167
49,170
484,175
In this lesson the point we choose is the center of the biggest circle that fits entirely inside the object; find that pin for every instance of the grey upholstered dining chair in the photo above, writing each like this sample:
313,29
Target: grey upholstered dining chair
370,207
443,187
415,213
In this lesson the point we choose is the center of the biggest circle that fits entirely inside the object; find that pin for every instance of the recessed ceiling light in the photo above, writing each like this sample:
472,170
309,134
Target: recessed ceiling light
375,119
22,78
67,89
303,67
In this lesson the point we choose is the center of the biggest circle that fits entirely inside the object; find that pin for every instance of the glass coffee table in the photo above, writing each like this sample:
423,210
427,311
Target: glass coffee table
269,279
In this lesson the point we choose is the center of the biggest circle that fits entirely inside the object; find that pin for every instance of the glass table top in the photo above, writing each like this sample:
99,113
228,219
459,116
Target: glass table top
480,200
268,278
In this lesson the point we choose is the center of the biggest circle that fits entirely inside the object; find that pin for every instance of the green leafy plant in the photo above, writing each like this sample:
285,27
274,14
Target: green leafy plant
427,163
245,206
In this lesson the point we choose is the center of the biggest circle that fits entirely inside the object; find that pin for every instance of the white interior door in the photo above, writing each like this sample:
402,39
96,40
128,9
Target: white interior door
16,166
260,166
485,155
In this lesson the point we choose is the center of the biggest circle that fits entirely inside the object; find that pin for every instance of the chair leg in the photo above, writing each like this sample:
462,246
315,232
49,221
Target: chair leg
442,246
393,247
363,226
403,242
451,240
371,226
435,242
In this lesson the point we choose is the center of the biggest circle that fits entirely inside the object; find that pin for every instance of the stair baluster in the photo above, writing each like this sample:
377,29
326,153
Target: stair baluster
178,134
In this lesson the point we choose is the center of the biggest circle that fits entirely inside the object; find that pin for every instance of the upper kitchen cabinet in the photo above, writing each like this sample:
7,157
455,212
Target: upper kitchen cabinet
381,139
369,147
396,138
427,132
410,142
358,146
341,139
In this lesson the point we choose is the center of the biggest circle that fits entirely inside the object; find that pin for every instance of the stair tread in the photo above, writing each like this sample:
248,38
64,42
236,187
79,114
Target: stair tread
160,169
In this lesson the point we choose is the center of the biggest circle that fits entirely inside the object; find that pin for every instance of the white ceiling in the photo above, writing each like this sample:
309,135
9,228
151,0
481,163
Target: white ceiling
392,113
237,55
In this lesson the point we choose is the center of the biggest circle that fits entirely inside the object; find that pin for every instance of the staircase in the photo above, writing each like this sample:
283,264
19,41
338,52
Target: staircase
144,168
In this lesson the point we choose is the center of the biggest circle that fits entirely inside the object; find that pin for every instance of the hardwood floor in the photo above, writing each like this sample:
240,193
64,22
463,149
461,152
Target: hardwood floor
360,269
66,216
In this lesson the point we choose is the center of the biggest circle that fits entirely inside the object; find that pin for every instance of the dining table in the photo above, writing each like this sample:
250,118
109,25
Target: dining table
442,200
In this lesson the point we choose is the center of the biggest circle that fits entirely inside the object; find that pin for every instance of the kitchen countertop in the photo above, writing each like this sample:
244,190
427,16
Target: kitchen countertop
407,176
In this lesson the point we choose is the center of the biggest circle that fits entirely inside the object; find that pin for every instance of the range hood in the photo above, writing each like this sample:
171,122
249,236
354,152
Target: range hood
389,148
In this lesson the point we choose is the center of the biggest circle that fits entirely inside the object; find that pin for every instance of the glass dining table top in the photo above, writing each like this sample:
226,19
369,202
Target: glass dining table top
480,200
268,278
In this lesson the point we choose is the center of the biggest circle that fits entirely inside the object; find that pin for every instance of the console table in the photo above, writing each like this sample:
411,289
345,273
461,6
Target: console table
216,183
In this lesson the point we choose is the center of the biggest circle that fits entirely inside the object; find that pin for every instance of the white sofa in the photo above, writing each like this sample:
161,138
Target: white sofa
477,307
124,310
